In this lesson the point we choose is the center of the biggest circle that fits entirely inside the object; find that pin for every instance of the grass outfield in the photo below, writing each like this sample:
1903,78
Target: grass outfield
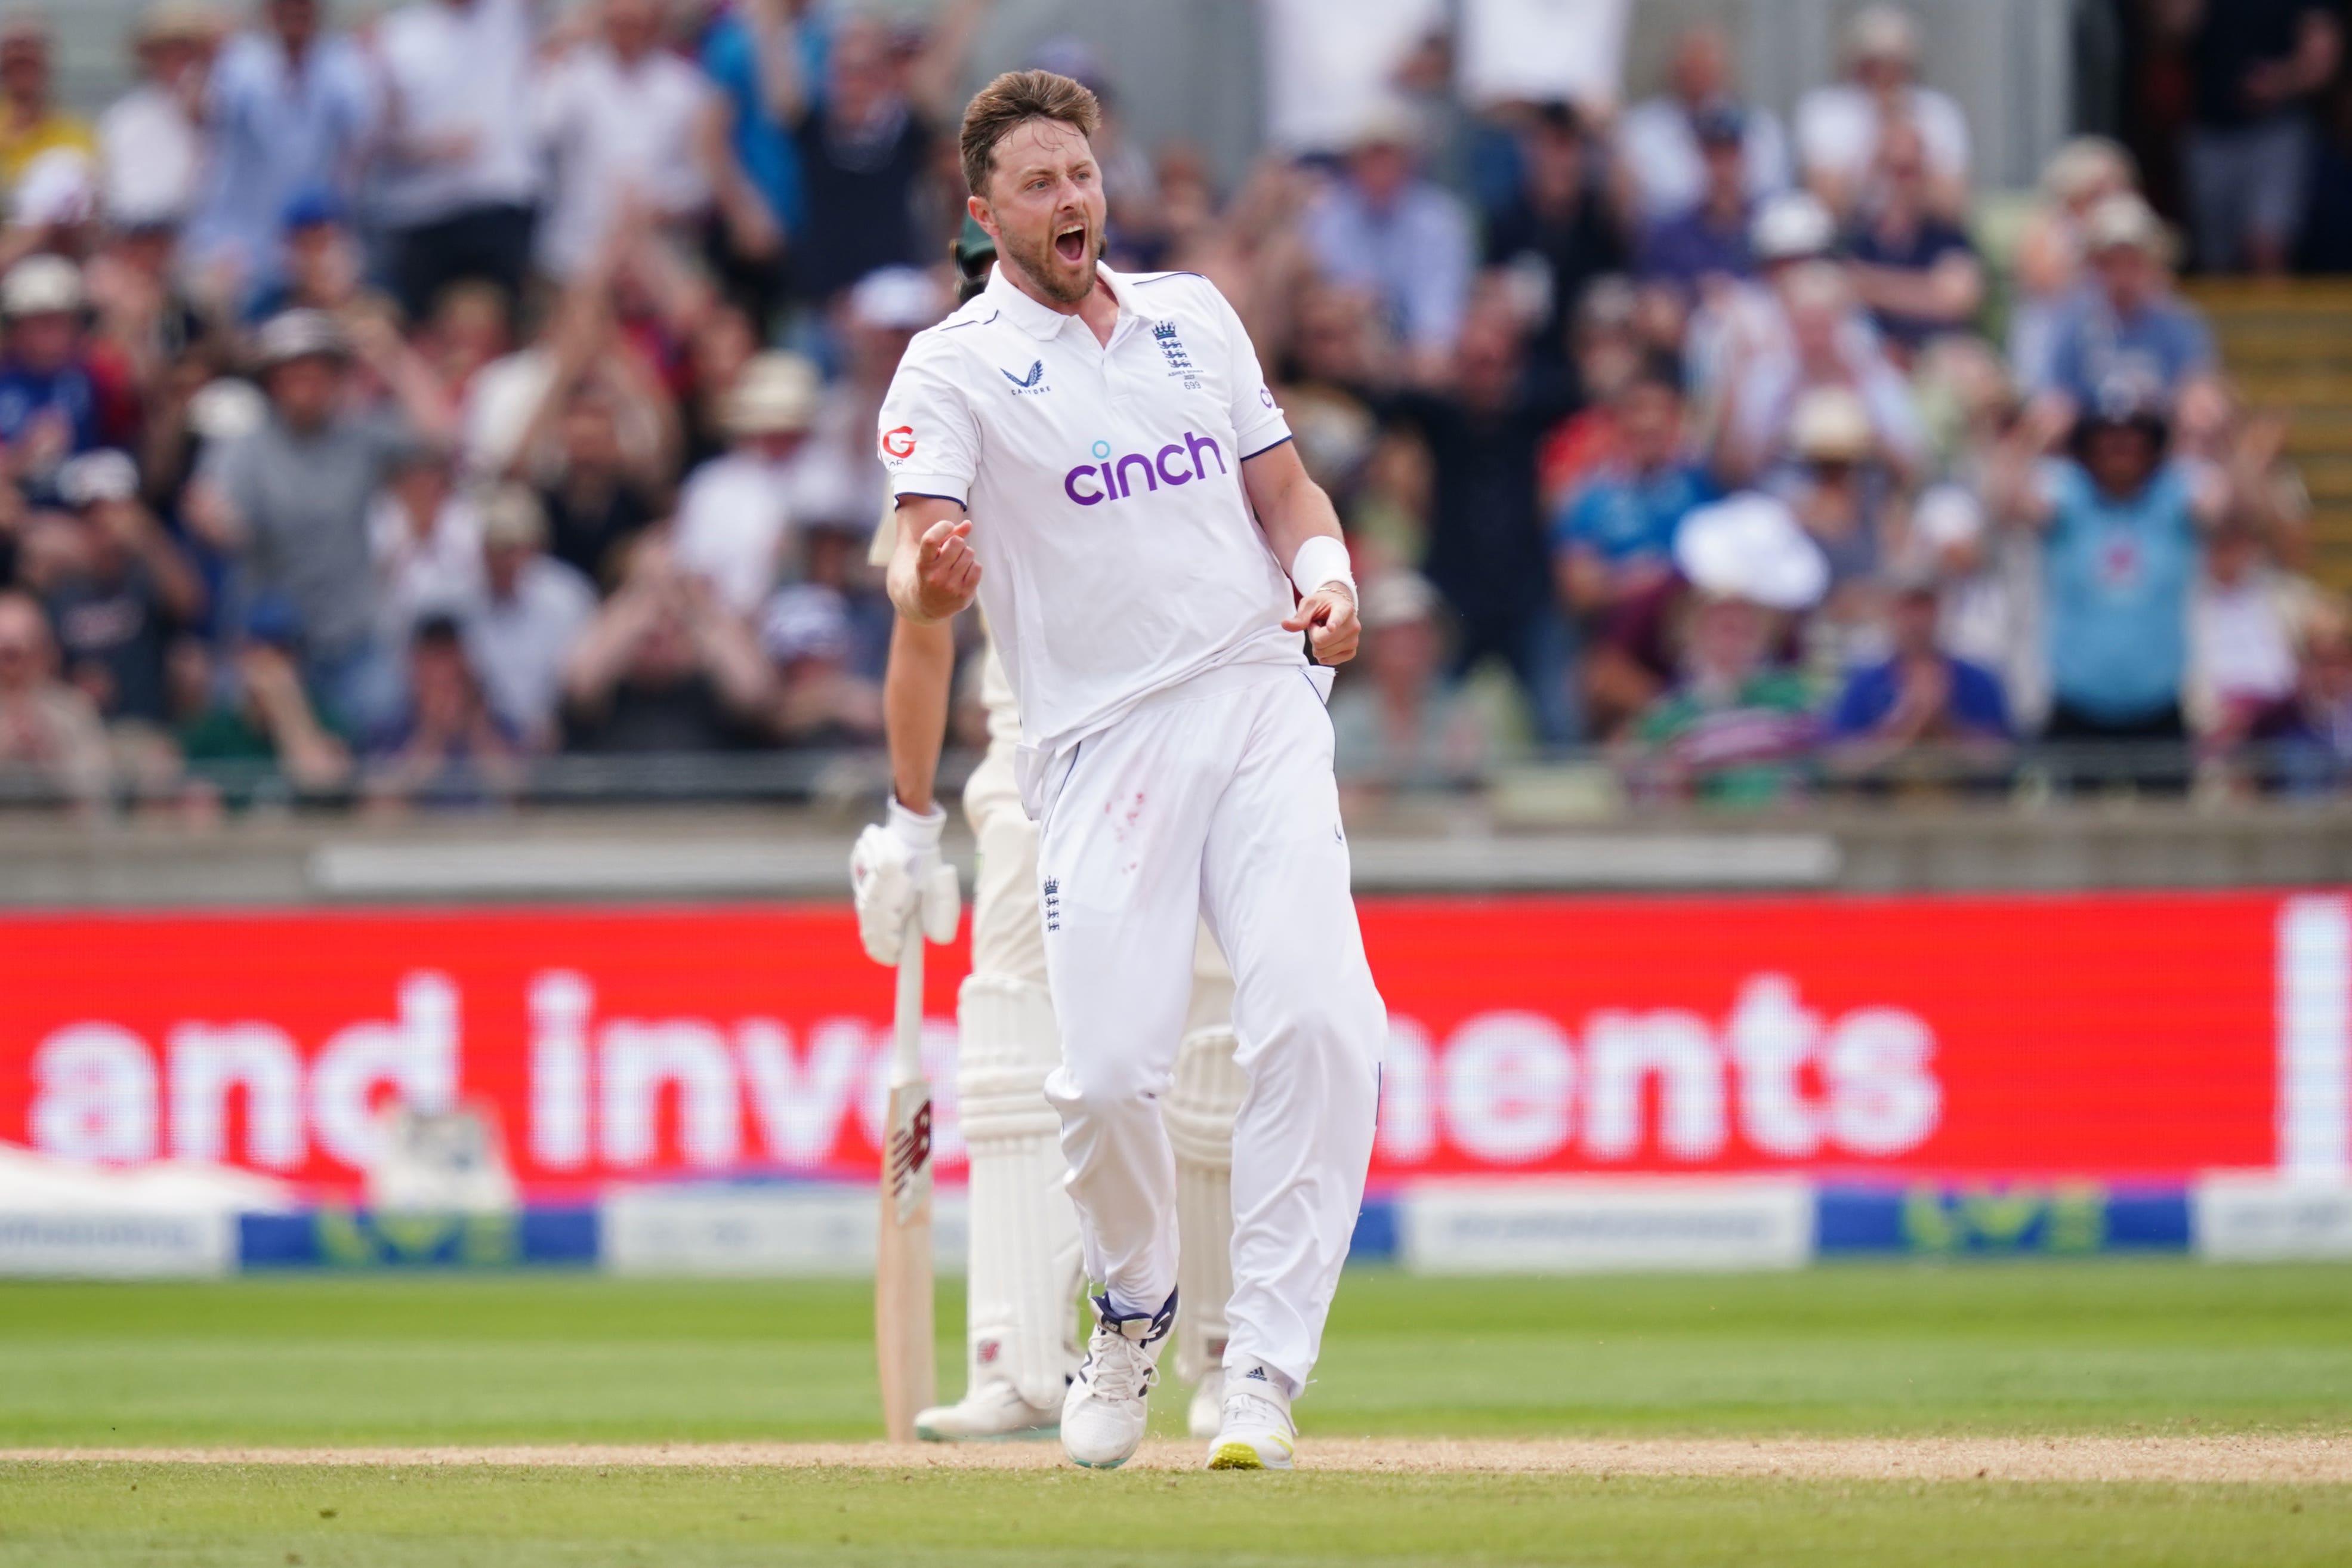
2094,1347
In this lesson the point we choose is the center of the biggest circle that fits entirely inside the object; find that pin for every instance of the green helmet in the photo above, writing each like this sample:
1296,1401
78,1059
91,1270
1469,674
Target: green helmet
975,252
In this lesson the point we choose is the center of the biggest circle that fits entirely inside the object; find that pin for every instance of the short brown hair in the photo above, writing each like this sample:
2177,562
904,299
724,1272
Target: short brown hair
1012,99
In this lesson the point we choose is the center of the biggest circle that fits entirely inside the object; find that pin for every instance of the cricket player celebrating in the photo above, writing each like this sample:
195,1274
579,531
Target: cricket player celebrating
1022,1273
1097,458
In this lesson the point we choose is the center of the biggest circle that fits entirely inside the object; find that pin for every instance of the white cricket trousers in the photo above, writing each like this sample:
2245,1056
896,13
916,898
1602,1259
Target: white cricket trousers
1213,800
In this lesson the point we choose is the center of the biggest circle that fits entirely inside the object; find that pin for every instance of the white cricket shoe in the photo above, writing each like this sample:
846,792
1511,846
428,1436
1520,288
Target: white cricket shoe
993,1412
1103,1415
1206,1417
1257,1433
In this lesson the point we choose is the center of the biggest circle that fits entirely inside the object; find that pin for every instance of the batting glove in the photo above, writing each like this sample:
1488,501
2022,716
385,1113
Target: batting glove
895,874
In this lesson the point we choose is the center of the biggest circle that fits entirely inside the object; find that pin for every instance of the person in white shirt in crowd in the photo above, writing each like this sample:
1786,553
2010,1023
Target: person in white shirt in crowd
1738,321
1382,226
632,132
737,515
457,168
290,108
1838,126
425,540
1828,343
1660,168
2244,616
150,140
531,612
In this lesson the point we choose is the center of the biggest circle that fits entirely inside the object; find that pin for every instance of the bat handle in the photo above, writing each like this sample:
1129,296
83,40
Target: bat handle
907,1020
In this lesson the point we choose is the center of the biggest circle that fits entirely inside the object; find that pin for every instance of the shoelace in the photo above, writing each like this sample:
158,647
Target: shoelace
1245,1407
1119,1367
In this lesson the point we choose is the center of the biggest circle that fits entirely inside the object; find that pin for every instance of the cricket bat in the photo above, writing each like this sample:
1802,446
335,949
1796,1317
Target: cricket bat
902,1272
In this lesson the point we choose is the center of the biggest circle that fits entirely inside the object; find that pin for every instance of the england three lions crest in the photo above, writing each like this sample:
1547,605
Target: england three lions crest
1171,348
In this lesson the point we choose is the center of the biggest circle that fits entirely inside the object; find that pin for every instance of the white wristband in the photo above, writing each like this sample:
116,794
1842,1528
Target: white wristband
914,828
1321,560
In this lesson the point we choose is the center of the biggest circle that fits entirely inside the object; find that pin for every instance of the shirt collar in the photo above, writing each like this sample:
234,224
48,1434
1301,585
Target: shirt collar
1041,321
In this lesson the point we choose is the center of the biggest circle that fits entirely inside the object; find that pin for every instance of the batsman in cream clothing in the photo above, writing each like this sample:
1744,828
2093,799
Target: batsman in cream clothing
1023,1271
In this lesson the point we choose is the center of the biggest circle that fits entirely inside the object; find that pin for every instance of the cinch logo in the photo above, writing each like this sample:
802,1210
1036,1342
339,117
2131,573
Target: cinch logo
899,443
1090,484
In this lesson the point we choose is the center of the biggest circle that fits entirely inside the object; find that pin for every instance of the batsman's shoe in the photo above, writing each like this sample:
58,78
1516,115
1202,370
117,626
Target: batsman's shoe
1104,1413
1257,1433
993,1412
1206,1417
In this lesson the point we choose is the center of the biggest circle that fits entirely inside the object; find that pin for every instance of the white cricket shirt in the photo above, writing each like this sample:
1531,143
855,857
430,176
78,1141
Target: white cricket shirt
1118,554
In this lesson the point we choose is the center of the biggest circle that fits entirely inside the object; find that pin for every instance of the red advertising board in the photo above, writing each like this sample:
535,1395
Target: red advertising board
2109,1035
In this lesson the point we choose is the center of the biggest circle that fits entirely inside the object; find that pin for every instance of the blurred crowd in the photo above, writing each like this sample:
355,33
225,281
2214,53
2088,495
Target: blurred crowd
396,413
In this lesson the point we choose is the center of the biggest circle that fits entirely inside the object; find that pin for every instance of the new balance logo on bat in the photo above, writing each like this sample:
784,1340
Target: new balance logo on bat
911,1149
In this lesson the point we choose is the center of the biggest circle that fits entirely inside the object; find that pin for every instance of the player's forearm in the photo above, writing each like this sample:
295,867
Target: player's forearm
915,695
1291,507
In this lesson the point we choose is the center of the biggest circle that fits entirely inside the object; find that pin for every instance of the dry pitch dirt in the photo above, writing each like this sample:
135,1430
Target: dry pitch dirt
2256,1458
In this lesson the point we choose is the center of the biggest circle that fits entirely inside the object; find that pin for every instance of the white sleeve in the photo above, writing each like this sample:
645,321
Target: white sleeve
1258,424
930,440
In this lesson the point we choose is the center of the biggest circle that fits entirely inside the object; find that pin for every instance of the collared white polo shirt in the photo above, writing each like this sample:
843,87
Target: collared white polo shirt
1118,554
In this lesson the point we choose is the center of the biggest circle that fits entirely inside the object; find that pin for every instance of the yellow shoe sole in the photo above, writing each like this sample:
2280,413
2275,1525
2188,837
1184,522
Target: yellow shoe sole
1238,1456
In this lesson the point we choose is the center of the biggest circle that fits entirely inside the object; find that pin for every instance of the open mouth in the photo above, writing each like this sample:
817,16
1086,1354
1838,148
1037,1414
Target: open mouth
1070,244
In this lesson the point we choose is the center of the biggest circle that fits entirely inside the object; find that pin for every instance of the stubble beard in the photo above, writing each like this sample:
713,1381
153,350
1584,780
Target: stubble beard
1042,265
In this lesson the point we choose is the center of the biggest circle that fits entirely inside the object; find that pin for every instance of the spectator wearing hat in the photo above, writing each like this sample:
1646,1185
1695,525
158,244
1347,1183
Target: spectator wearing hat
2122,535
289,108
458,174
425,540
1841,127
2052,252
1395,725
820,699
447,747
1822,341
883,313
2129,336
56,399
290,503
1666,146
1557,224
665,668
1708,237
1616,537
1734,325
1922,715
1913,269
31,123
530,617
322,269
1381,226
736,513
1607,349
131,595
151,140
264,719
2257,66
1736,726
52,743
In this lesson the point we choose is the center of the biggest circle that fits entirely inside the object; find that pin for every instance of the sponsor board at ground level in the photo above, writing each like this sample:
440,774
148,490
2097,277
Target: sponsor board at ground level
1587,1225
2255,1216
1894,1040
124,1245
781,1230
